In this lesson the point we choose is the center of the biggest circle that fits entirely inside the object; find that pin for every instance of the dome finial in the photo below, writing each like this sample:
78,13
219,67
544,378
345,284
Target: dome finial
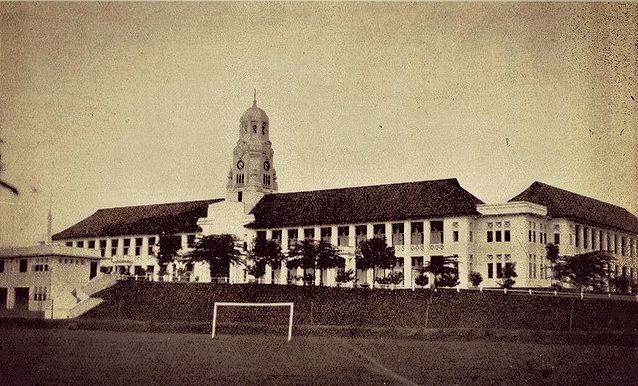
254,97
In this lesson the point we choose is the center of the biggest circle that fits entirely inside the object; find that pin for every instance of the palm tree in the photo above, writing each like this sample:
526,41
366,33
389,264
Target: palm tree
375,253
219,251
265,252
444,270
315,255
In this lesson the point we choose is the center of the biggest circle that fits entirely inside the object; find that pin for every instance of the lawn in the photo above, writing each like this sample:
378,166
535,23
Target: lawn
60,356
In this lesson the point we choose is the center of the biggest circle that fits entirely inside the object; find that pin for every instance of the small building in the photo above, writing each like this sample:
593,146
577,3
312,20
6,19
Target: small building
46,280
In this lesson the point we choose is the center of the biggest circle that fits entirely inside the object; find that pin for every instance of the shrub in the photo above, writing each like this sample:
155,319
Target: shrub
475,278
422,280
345,276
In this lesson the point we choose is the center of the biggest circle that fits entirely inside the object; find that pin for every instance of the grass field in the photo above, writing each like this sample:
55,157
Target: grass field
59,356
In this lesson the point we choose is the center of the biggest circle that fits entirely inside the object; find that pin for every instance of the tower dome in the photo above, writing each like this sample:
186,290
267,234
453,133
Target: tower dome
254,113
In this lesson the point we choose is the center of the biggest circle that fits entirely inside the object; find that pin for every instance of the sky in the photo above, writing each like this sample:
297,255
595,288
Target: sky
117,104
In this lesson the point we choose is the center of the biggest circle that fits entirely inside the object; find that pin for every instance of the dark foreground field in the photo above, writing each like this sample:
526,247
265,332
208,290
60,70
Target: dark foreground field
58,356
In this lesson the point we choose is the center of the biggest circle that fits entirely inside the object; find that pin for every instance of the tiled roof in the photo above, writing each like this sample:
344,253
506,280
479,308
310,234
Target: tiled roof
392,202
175,217
564,204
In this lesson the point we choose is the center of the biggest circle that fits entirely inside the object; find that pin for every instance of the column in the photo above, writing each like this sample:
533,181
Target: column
408,282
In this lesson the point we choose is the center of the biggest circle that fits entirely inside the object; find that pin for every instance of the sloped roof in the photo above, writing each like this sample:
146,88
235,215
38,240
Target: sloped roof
564,204
175,217
403,201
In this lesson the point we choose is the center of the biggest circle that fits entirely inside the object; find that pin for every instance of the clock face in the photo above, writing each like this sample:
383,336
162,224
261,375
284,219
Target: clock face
266,165
240,164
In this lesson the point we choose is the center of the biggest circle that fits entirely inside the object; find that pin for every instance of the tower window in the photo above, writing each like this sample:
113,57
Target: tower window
266,179
239,196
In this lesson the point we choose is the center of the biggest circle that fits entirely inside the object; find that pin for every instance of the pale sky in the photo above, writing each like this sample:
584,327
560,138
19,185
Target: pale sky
116,104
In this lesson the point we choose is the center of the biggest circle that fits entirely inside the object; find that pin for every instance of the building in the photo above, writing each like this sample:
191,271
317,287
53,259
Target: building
421,220
46,280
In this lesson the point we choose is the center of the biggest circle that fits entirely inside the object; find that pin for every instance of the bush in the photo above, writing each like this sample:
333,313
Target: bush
345,276
422,280
475,278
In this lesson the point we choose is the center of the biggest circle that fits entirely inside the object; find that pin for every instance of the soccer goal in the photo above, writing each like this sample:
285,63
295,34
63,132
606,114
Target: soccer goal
225,304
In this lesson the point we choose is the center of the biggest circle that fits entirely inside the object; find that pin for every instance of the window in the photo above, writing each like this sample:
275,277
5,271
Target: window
190,240
506,235
623,249
114,243
534,236
379,231
470,236
1,266
455,236
600,240
326,234
490,236
309,234
91,244
498,236
416,233
490,270
557,238
127,244
23,265
276,236
102,247
292,238
499,270
69,243
138,246
397,234
436,232
417,262
81,244
585,237
239,196
151,245
343,236
361,233
529,235
577,236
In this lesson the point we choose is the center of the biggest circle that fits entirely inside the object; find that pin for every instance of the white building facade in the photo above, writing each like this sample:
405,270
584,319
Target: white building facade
421,220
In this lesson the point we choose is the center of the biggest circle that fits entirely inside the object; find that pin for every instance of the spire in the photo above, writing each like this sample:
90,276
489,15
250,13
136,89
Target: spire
254,97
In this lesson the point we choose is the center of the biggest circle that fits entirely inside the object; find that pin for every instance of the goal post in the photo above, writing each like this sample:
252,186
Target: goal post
227,304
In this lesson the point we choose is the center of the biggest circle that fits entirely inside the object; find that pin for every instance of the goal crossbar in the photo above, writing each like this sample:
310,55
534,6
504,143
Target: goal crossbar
230,304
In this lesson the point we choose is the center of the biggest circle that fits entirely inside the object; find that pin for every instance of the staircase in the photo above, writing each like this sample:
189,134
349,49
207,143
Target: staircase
83,295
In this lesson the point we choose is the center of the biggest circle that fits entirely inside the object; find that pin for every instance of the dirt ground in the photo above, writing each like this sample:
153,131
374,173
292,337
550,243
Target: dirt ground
59,356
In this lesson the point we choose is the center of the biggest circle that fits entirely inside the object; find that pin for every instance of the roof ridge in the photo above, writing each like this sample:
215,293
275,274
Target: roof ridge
453,179
580,195
163,203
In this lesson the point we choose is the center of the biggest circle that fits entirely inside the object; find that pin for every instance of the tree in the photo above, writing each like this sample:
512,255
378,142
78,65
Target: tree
475,278
315,255
509,273
168,247
444,270
3,184
373,254
219,251
584,271
265,252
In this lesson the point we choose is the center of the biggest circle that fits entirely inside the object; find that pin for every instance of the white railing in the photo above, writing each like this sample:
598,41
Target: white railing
399,248
417,247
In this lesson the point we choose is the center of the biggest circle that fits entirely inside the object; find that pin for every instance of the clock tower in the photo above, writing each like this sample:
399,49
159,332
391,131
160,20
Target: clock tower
252,173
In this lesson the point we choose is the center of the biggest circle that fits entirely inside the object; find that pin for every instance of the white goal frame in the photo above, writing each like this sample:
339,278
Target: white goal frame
220,304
